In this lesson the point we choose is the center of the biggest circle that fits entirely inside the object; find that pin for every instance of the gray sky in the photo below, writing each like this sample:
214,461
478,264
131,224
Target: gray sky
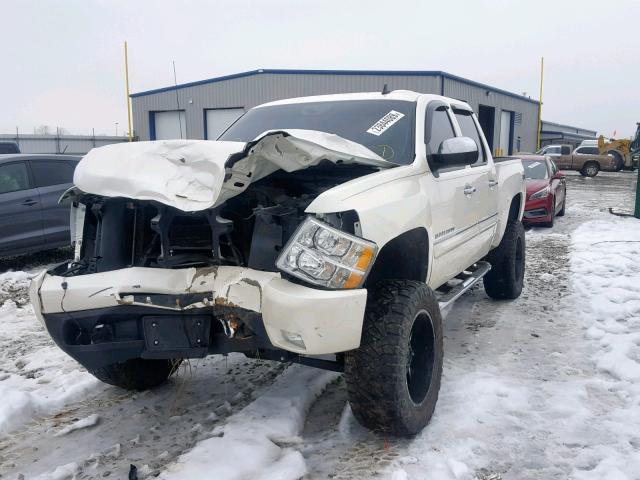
63,60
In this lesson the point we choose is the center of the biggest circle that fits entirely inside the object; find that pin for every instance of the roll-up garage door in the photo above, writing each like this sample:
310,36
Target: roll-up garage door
506,133
219,119
170,125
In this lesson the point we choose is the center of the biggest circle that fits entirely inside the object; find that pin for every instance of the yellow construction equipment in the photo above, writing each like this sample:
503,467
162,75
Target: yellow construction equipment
624,150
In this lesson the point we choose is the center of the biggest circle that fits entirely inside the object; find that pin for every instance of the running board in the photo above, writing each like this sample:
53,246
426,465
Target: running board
448,294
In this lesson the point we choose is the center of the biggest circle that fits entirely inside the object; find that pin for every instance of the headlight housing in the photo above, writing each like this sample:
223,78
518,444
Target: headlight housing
543,193
326,256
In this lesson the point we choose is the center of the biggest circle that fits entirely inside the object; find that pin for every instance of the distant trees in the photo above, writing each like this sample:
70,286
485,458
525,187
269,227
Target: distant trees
49,130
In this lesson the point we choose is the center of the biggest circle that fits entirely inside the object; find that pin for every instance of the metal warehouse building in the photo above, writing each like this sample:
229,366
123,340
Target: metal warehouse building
558,133
204,109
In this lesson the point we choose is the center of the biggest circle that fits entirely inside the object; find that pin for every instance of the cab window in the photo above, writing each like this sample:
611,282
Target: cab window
552,151
14,177
439,130
470,129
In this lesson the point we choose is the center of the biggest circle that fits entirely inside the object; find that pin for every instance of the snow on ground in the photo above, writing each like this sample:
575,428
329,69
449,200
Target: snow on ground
258,442
606,270
36,378
544,387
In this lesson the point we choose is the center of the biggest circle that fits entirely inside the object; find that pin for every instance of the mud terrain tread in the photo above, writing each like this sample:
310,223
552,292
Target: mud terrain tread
136,374
501,282
375,373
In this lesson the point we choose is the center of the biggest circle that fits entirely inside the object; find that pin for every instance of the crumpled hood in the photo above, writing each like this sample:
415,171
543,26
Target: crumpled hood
194,175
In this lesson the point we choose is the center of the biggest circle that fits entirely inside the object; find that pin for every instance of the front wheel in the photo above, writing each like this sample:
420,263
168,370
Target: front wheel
550,223
564,204
506,277
393,379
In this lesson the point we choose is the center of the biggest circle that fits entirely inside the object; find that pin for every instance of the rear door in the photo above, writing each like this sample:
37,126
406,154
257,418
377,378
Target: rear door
454,212
20,214
485,181
52,177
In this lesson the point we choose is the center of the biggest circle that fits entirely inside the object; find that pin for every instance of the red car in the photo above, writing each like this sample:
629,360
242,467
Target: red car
546,191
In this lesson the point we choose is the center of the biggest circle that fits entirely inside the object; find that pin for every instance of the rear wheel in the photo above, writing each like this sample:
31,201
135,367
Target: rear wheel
619,159
590,169
136,374
393,379
506,277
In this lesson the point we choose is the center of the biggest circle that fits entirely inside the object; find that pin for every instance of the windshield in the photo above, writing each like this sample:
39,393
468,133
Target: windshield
535,170
549,151
383,126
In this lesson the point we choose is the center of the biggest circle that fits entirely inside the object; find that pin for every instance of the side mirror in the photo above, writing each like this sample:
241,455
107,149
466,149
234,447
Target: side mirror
457,151
565,150
559,175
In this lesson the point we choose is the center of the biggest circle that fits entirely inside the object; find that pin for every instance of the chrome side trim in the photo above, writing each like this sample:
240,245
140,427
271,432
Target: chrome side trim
455,233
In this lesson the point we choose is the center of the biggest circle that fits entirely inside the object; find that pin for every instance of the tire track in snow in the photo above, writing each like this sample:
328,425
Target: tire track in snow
149,429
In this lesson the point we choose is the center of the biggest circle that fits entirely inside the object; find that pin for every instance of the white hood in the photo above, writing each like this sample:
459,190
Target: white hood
190,174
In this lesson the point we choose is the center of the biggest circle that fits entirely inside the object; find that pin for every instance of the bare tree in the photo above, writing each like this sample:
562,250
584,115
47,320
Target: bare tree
43,130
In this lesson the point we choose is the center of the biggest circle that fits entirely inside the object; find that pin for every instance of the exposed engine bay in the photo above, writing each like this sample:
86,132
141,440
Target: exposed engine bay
247,230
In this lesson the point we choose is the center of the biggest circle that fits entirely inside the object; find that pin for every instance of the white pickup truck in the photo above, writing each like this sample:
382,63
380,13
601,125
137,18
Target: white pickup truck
339,224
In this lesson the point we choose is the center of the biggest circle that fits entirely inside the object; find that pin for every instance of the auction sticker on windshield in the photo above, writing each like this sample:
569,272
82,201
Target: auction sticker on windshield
385,123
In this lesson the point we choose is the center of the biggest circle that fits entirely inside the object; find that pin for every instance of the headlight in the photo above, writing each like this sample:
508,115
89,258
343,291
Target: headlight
326,256
544,193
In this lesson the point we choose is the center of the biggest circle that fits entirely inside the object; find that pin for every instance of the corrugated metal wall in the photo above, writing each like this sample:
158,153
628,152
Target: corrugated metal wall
68,144
558,127
253,90
526,113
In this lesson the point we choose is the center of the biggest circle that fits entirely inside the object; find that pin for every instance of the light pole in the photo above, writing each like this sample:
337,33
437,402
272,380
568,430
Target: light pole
637,209
116,129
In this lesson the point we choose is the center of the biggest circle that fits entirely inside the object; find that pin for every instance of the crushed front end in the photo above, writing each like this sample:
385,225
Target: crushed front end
150,280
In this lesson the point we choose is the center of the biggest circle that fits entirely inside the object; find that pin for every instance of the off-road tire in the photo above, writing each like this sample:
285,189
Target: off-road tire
506,277
590,169
381,394
136,374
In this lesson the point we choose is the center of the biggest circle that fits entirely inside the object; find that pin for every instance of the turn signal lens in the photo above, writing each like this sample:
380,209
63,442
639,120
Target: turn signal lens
326,256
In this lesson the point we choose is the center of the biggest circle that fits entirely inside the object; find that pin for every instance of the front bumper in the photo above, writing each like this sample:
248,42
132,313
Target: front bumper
326,321
537,211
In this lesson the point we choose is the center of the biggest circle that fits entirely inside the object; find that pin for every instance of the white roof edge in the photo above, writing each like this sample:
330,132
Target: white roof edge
403,95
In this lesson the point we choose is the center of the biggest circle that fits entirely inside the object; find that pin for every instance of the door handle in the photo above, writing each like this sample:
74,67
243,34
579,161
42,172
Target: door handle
28,203
469,190
493,183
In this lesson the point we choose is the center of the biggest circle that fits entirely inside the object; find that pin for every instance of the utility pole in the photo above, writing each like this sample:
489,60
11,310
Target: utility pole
126,74
540,105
